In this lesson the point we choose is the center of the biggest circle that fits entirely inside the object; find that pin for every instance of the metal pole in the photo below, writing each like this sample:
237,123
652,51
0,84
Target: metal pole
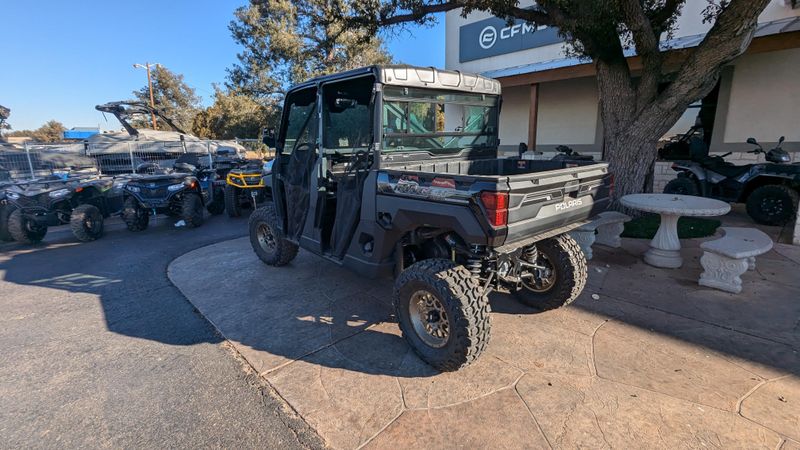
210,159
130,153
30,163
152,100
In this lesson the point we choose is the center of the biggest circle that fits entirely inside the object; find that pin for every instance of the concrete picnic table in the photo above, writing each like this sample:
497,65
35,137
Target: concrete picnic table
665,248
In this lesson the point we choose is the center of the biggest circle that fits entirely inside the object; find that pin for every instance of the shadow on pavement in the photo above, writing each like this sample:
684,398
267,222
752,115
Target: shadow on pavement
127,271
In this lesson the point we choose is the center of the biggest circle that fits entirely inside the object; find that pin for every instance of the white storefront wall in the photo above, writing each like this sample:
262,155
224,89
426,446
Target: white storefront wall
763,95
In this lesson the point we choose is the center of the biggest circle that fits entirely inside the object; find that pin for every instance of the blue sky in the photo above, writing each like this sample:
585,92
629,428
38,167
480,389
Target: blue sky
61,58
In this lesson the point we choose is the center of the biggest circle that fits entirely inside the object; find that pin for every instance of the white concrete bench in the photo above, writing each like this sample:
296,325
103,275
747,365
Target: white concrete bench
726,258
605,229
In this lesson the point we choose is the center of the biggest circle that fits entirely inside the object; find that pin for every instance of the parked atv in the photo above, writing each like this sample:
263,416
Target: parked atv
247,187
6,208
83,203
769,190
183,192
423,196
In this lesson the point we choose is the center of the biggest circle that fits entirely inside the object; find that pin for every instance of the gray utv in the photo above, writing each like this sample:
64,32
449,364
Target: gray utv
393,170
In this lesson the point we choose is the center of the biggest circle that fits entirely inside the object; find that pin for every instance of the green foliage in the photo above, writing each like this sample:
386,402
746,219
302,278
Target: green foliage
645,227
234,115
176,99
286,42
51,131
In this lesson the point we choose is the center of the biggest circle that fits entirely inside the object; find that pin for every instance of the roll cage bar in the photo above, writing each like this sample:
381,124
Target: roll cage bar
124,110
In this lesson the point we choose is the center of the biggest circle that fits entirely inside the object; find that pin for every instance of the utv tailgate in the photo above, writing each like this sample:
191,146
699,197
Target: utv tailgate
541,204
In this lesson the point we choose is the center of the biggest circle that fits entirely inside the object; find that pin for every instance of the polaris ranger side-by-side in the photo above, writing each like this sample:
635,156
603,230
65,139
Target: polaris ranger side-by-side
394,170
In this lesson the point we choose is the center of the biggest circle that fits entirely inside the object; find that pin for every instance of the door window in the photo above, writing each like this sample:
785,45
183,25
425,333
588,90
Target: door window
301,124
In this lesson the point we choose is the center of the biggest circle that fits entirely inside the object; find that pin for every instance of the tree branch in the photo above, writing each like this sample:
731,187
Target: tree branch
646,41
728,38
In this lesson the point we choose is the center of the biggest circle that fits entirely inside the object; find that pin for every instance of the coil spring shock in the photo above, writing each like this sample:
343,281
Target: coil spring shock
475,266
530,254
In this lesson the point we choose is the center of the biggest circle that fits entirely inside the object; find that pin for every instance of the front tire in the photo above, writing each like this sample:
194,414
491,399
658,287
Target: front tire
86,223
232,206
682,186
269,243
563,279
442,313
24,230
192,210
5,213
772,204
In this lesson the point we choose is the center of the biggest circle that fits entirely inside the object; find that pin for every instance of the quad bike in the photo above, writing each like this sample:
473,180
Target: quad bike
247,187
83,203
435,209
183,192
6,208
769,190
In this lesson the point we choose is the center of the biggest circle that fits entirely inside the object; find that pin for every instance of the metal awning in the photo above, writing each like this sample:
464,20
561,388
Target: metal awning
786,25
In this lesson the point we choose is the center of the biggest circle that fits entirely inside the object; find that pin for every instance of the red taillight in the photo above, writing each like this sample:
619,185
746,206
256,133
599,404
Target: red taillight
496,204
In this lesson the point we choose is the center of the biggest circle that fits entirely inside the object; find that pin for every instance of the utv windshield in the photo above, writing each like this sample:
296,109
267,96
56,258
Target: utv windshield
438,122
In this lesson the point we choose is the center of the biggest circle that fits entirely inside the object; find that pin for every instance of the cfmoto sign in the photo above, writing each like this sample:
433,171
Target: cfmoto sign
488,37
494,36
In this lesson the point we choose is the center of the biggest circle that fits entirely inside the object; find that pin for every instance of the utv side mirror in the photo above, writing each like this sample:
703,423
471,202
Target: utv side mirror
523,147
185,167
780,141
752,141
269,137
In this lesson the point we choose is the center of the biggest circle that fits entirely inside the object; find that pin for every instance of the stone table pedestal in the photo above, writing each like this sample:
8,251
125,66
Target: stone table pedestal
665,248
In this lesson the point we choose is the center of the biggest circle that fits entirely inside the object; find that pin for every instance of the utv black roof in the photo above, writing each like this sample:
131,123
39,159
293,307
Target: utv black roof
413,76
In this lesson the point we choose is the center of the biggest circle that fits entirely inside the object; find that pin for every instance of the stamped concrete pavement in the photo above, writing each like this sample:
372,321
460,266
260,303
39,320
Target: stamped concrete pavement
655,362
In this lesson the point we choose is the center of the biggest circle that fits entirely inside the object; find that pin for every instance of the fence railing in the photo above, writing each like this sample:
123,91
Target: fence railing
113,158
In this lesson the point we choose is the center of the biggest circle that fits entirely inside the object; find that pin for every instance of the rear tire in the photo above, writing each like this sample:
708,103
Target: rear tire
136,218
268,241
86,222
442,313
232,206
567,276
24,230
5,213
682,186
192,210
772,204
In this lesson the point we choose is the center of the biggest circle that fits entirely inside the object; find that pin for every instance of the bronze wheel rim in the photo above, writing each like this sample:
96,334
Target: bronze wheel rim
429,319
541,280
266,240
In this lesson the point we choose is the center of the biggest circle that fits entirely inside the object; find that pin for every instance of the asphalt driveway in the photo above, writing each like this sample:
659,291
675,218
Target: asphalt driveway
99,349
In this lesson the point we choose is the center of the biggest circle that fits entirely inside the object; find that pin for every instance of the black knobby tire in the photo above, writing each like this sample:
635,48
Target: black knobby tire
772,204
232,206
568,264
86,222
269,243
136,218
460,296
682,186
25,230
5,213
217,206
192,210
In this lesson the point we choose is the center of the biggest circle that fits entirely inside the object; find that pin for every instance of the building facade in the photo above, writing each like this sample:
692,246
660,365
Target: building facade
550,98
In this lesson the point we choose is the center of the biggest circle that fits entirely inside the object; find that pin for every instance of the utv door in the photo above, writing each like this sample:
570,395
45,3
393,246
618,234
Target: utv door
348,139
295,160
